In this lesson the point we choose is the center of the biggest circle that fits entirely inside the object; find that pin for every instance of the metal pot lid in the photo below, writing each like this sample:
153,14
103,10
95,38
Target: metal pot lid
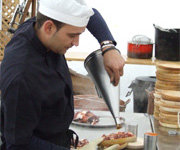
141,39
146,82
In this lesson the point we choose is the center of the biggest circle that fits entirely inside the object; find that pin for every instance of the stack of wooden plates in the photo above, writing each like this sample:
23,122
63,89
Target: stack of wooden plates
169,106
167,94
168,76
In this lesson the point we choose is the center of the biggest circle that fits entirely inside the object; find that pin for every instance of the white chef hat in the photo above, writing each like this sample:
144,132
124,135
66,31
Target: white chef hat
73,12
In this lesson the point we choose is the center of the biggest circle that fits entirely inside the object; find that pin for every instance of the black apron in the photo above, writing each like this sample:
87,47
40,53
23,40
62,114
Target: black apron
69,138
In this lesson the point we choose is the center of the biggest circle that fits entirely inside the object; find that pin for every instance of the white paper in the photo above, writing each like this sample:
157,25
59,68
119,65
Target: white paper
0,14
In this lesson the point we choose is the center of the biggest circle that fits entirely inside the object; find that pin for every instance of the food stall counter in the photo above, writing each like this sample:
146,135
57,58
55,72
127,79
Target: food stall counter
93,132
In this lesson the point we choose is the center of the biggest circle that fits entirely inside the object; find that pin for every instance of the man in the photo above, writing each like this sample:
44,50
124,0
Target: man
37,100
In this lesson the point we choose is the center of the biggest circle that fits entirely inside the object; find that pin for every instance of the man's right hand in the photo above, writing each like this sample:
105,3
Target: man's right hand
114,64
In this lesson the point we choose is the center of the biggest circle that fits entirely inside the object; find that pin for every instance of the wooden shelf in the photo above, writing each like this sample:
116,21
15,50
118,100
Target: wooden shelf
139,61
80,56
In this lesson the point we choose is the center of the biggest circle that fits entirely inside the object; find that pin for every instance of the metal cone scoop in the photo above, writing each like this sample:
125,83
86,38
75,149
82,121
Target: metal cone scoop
110,93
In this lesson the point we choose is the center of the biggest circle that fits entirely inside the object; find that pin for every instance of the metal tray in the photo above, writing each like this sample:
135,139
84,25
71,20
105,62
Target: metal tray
104,121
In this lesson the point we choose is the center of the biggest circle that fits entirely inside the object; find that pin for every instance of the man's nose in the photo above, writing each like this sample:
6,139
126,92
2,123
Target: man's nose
76,41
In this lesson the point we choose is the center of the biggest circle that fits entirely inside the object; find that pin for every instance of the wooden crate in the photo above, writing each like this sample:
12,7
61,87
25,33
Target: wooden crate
8,7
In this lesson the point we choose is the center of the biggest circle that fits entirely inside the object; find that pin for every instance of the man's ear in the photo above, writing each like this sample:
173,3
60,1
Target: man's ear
49,27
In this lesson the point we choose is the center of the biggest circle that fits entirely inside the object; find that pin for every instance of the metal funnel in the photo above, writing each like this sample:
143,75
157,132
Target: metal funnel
110,93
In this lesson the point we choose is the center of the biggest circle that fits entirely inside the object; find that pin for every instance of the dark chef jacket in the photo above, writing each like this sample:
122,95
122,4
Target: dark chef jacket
37,99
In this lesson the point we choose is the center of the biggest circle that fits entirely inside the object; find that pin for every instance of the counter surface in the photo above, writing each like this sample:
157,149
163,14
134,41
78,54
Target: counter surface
145,123
92,133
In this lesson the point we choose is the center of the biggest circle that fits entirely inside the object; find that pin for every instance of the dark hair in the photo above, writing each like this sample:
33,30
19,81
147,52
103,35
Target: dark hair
40,19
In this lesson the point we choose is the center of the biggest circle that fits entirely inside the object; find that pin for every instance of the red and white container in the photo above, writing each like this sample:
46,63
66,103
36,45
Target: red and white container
140,47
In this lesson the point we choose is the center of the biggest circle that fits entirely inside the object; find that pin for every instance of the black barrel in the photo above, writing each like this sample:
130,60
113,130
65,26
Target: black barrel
167,44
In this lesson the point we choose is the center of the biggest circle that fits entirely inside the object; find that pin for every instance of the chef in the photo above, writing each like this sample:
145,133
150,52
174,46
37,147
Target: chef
37,99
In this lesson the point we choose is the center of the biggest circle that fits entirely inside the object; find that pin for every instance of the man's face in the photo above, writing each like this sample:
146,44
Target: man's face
63,39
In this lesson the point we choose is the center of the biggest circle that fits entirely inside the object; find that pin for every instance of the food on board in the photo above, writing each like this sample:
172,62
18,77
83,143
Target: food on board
117,138
85,116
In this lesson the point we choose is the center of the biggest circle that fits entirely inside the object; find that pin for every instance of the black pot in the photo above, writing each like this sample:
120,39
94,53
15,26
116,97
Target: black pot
167,44
139,87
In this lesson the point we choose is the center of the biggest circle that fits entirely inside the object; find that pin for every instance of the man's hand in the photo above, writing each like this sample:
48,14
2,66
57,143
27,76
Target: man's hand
114,63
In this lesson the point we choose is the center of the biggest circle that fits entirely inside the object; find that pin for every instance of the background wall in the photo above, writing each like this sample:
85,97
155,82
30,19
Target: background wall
127,18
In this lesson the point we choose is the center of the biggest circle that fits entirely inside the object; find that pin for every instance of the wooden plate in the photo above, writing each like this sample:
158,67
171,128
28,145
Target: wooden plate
170,103
163,70
168,77
168,125
171,95
165,87
168,109
168,83
168,117
170,66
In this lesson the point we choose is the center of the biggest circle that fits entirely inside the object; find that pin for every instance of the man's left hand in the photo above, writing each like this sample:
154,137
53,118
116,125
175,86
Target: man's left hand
114,63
